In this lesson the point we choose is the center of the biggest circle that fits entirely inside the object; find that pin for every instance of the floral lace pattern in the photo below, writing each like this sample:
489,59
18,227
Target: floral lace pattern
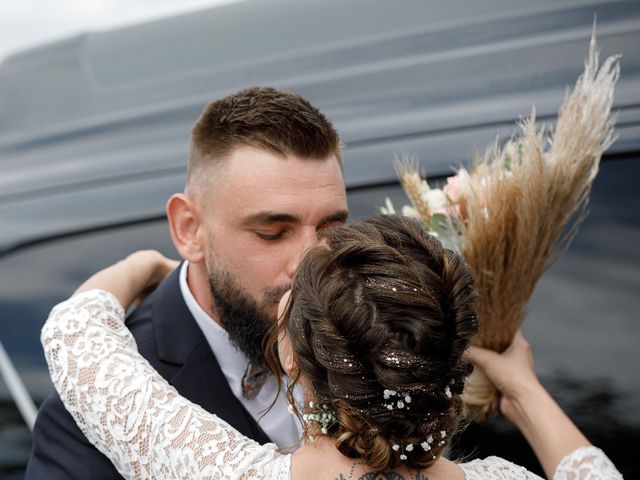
586,463
141,423
133,415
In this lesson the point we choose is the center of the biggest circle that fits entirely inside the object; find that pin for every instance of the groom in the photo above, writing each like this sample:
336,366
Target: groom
264,177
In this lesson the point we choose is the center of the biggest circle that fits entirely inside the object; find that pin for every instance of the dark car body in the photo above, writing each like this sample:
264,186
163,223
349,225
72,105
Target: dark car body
94,138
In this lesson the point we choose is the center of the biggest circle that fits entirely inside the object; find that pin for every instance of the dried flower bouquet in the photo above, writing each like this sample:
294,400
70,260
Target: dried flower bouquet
516,210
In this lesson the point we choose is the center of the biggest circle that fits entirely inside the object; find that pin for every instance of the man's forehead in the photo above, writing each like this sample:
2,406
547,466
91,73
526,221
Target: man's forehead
257,185
255,172
245,157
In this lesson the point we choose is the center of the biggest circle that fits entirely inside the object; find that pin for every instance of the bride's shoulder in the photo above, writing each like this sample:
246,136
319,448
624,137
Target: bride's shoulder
495,468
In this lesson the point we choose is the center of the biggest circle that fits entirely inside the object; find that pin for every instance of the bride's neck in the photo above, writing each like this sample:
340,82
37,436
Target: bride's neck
321,459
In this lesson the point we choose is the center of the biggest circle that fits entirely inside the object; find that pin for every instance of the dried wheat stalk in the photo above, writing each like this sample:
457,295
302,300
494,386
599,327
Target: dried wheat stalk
408,172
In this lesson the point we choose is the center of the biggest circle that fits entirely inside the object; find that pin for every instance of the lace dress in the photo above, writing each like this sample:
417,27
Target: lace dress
141,423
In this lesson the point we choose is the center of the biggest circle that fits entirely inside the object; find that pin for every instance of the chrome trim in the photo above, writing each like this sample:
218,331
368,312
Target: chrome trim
16,387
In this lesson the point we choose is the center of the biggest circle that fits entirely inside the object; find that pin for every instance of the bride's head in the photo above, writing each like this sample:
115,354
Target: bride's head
375,328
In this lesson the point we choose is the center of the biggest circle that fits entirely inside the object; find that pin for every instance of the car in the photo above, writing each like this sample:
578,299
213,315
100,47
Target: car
94,133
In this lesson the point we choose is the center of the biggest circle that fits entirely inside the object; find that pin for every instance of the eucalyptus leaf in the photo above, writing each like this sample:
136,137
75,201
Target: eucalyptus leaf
440,223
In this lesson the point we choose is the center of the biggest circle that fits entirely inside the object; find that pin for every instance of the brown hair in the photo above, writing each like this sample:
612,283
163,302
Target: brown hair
385,307
280,122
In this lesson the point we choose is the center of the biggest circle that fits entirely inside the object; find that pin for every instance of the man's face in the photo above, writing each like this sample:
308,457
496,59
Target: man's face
262,214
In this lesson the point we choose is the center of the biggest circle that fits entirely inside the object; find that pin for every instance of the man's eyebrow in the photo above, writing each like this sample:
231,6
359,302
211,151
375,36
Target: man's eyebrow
340,217
272,217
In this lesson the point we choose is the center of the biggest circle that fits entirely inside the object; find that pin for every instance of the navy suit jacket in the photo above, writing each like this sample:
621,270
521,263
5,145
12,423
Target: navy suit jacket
168,336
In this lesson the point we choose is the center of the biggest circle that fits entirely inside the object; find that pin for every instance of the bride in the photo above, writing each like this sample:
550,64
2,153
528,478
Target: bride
376,331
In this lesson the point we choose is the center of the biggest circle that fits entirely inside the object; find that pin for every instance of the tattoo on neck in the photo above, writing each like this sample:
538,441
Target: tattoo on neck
383,476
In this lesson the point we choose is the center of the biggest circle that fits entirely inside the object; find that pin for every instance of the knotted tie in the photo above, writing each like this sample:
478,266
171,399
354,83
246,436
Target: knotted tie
253,379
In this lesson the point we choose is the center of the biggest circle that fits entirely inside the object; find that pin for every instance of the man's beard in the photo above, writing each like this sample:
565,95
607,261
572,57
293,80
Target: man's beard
245,319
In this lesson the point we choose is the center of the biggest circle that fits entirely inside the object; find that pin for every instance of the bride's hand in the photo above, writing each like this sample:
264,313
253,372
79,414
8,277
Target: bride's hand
133,277
512,371
525,402
156,267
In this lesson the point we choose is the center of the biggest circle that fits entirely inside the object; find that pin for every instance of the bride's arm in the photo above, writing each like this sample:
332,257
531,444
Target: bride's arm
123,406
561,448
131,277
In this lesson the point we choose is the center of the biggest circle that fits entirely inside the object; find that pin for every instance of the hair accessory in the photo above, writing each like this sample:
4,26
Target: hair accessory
447,391
342,362
350,396
396,287
395,358
322,414
402,403
426,446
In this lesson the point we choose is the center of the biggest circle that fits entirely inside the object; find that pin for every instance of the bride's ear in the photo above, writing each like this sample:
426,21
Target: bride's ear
288,363
185,225
285,354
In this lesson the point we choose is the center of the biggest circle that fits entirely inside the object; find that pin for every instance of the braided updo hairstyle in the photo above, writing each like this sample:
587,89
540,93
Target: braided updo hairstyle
385,309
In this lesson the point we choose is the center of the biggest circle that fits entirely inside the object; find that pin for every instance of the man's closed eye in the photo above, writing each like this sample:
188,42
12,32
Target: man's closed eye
270,237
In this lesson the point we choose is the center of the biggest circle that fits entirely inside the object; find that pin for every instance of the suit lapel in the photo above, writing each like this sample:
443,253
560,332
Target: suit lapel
176,331
199,377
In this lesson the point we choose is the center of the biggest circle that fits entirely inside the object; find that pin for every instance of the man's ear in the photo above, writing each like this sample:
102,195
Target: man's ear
186,227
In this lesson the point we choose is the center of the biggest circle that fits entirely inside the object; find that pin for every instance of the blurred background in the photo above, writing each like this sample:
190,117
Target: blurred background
29,23
97,98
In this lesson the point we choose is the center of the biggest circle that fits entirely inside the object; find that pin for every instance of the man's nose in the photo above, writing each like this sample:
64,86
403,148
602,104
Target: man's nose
307,241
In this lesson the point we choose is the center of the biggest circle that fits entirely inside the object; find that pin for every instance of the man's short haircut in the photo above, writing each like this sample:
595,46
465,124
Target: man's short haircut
279,122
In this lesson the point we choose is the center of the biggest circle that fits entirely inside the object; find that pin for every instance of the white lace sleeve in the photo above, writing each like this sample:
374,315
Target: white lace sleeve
496,468
130,413
587,463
